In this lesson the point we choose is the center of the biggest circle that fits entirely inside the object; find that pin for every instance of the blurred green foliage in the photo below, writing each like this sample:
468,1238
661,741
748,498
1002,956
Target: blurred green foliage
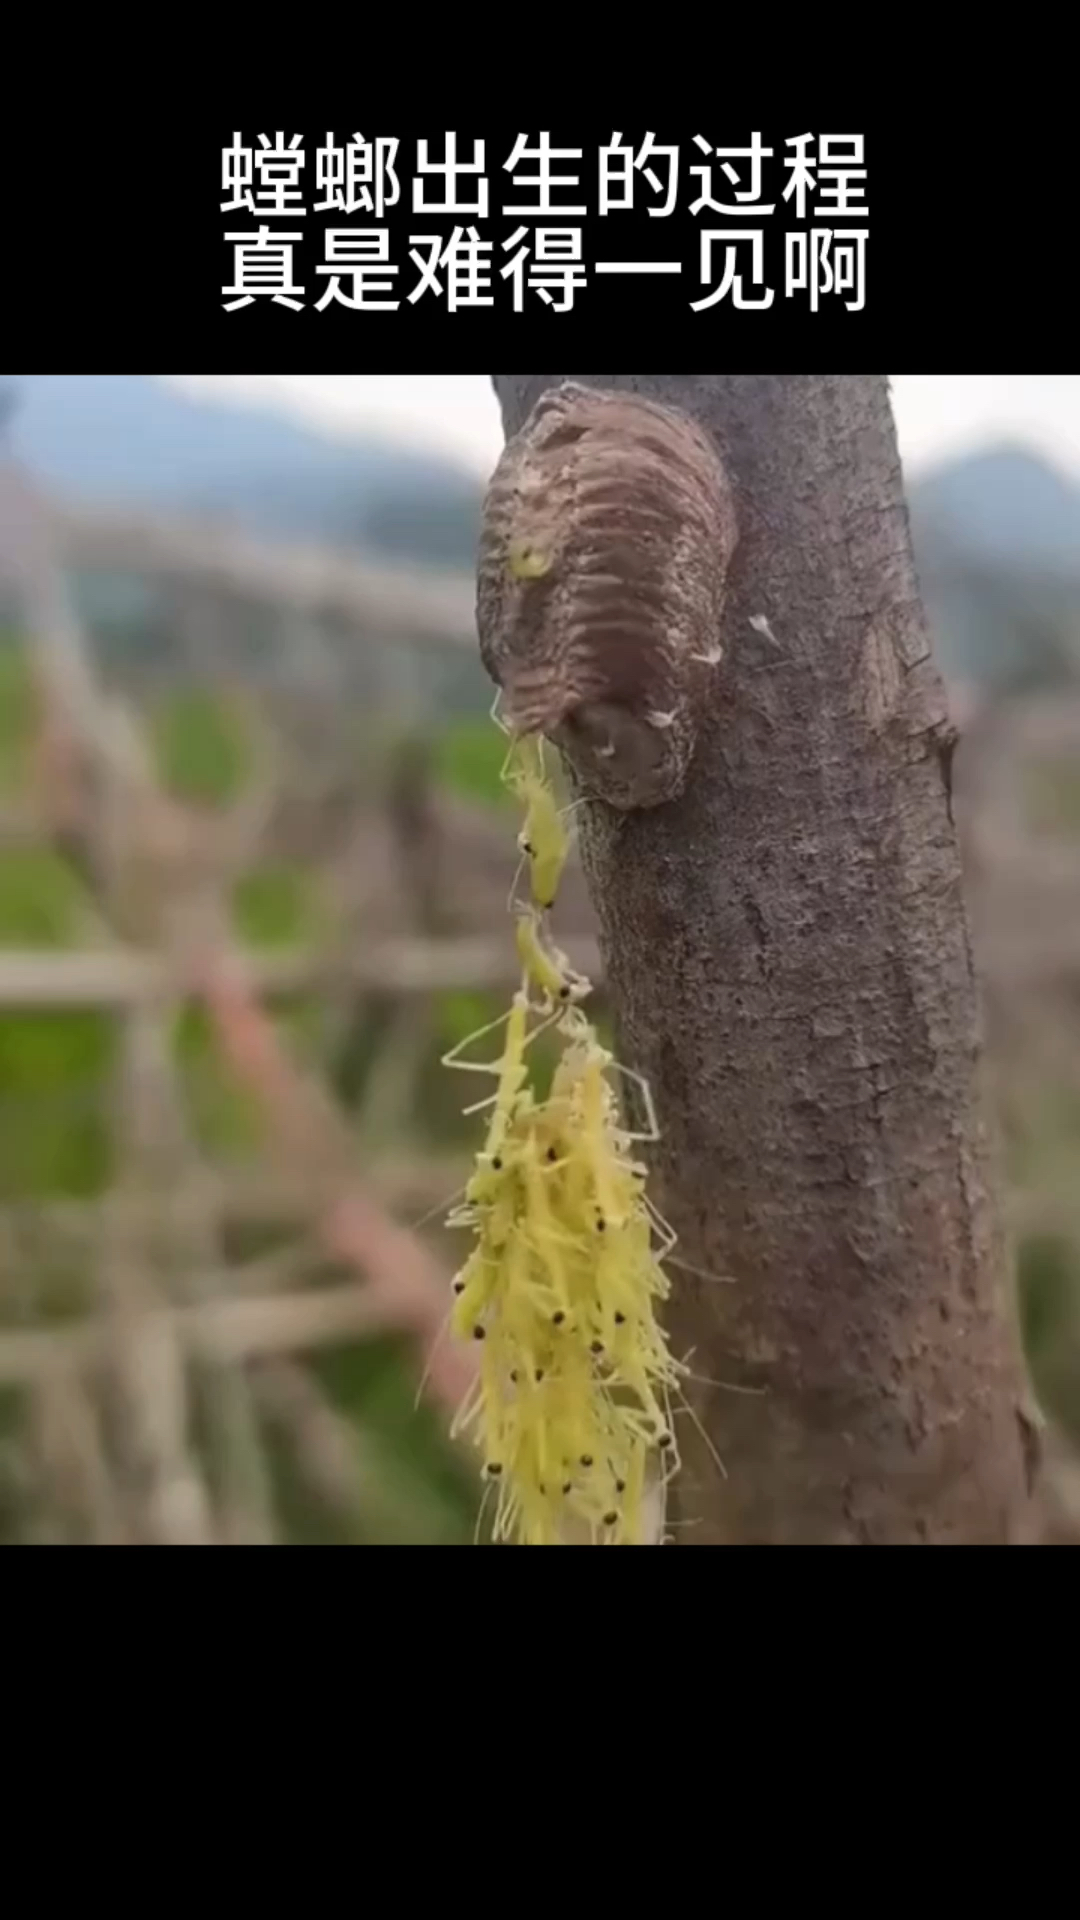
468,759
422,1493
1042,1135
18,713
202,745
1053,796
43,903
462,1011
279,906
1048,1279
54,1066
54,1132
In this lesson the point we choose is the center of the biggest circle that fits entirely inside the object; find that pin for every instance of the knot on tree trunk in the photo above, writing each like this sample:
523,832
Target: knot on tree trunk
608,530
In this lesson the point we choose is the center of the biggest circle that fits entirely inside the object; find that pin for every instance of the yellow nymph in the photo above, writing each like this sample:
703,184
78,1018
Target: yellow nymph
526,561
570,1409
543,839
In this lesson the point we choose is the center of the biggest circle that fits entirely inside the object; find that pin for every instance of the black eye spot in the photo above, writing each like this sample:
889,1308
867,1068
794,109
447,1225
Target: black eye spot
497,1163
568,1486
664,1440
514,1378
459,1286
539,1375
478,1333
610,1519
558,1318
586,1459
601,1225
620,1319
552,1154
547,905
620,1486
564,993
494,1468
597,1347
526,846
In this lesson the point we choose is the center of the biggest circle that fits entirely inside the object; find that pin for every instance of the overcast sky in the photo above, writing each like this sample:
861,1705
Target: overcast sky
938,415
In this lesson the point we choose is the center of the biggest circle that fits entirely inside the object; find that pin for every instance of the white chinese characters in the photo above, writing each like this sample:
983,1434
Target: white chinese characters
466,223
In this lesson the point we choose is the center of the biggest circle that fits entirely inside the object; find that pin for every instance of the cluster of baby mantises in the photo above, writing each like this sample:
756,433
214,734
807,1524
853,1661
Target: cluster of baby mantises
571,1409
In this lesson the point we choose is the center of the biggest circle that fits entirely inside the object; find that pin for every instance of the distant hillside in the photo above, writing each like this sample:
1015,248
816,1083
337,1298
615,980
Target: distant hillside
1004,507
131,438
997,543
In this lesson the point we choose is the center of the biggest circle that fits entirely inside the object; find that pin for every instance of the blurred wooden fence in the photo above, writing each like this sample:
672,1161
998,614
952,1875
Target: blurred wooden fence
115,979
312,580
168,1299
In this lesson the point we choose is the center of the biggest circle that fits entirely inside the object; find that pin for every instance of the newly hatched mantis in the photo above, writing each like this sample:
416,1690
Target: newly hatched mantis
546,968
574,1396
543,841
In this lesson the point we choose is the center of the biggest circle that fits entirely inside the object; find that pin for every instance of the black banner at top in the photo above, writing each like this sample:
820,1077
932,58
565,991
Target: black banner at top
420,229
850,243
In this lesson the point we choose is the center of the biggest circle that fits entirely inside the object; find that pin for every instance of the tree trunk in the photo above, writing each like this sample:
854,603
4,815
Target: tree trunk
787,949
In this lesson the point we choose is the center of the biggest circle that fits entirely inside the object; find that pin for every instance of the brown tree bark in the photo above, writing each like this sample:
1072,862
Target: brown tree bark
787,949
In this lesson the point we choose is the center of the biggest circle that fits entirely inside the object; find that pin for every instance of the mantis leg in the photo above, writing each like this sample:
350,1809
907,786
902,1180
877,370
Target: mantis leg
476,1066
512,900
667,1233
494,1066
646,1095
